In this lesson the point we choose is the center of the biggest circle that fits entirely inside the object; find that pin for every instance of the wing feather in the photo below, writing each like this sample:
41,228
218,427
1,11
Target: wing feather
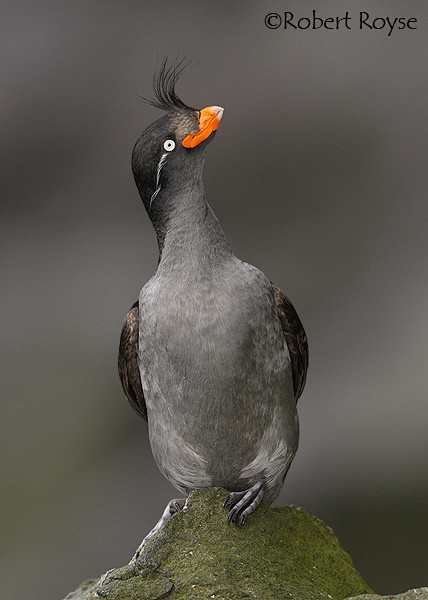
296,340
129,372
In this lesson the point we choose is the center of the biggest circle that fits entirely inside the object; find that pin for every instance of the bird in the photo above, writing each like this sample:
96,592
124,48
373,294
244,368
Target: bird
212,355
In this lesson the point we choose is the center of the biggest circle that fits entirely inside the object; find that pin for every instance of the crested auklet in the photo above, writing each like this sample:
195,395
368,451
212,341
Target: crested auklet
213,356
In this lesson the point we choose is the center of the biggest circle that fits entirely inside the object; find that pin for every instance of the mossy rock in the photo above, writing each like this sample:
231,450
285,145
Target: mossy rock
280,553
417,594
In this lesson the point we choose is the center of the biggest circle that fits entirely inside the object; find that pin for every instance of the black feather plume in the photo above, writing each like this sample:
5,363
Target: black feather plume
164,81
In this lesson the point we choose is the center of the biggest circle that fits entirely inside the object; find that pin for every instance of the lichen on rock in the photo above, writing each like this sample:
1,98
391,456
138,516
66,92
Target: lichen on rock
416,594
280,553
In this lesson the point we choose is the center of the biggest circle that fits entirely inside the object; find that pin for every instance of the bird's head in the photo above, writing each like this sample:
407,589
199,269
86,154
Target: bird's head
169,154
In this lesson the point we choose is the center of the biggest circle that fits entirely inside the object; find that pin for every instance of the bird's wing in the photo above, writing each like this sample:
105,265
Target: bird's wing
296,340
129,372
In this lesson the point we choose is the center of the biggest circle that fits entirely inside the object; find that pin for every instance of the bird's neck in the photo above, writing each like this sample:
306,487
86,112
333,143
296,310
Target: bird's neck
189,234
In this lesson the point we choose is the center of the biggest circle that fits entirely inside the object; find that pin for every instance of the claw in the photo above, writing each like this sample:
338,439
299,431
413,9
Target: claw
173,507
233,498
243,503
240,520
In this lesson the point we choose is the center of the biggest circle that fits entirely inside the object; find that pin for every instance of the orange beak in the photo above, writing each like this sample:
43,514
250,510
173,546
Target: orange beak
209,120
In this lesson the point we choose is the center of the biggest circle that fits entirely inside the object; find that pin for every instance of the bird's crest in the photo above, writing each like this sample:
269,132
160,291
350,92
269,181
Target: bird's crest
164,81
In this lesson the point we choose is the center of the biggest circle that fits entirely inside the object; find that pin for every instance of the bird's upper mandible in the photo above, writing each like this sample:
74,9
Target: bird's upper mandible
209,120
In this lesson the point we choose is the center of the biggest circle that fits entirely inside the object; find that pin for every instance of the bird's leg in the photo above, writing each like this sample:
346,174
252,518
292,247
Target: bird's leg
243,503
173,507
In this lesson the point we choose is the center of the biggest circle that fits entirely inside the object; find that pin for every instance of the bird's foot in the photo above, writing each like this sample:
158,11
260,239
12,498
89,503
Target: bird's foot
173,507
243,503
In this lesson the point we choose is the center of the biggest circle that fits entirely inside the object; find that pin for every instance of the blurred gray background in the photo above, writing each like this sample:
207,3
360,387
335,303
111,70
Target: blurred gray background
318,174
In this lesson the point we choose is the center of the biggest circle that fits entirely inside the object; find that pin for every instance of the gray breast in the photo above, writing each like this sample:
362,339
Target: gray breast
216,377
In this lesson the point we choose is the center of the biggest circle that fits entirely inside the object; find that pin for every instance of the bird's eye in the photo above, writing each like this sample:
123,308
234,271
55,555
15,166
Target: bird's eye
169,145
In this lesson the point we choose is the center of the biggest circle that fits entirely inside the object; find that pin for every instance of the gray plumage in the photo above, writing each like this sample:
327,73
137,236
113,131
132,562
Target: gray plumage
221,354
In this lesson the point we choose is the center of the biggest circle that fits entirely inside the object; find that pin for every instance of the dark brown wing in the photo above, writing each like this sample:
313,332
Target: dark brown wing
296,340
129,372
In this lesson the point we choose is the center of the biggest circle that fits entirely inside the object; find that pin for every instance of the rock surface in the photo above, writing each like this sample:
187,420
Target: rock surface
280,553
417,594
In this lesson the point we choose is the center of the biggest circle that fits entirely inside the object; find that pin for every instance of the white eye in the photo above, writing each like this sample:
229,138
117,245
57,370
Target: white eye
169,145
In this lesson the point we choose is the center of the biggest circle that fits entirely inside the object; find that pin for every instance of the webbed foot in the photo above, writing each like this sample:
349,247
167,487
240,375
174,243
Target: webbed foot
243,503
173,507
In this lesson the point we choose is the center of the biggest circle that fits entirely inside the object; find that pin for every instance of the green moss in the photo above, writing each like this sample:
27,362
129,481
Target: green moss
418,594
132,581
280,553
